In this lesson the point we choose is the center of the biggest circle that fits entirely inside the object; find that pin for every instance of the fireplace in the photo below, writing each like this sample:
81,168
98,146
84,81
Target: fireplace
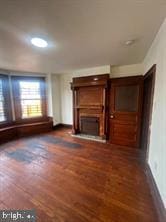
90,106
90,125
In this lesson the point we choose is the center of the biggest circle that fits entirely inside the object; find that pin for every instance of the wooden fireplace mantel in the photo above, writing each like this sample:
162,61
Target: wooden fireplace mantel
96,80
90,100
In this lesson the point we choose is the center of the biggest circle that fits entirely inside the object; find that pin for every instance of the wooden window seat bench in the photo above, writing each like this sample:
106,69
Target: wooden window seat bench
17,130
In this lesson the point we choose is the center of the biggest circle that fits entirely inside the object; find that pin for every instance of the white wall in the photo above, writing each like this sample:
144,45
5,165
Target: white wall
157,152
49,95
56,98
126,70
65,79
66,93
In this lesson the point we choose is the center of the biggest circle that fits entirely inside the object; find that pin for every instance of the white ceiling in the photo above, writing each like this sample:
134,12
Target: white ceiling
80,33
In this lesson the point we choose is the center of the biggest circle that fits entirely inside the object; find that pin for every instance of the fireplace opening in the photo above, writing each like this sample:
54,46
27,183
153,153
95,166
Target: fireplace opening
90,126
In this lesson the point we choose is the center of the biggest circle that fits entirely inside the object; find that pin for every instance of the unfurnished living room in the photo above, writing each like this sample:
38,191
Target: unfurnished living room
83,110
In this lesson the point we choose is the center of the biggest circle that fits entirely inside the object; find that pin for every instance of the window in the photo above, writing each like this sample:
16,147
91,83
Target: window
25,98
29,97
5,114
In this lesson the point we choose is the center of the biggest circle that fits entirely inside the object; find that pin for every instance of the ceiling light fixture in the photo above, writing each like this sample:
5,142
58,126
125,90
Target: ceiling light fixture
39,42
130,42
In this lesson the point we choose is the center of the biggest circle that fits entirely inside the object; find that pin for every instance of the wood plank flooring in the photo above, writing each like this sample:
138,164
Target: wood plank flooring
68,179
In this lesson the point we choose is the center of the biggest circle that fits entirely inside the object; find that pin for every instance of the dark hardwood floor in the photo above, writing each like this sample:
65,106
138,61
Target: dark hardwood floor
67,179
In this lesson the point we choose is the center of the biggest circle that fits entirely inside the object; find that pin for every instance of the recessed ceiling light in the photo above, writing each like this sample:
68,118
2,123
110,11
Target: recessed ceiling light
39,42
130,42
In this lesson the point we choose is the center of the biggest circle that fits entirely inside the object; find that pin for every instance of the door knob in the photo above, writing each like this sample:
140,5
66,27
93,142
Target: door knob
111,116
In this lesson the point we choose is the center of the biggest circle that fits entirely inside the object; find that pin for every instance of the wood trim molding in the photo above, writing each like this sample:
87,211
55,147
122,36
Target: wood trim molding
150,73
159,205
95,80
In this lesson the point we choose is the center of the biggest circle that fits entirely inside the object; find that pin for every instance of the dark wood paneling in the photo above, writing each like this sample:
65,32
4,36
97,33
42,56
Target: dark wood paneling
14,130
35,128
7,134
90,100
94,80
90,96
148,94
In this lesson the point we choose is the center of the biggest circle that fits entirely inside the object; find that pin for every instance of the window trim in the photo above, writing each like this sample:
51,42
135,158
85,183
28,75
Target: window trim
17,102
7,100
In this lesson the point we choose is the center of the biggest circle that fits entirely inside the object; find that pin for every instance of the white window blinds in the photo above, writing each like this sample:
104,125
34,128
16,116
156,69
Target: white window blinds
2,103
30,96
